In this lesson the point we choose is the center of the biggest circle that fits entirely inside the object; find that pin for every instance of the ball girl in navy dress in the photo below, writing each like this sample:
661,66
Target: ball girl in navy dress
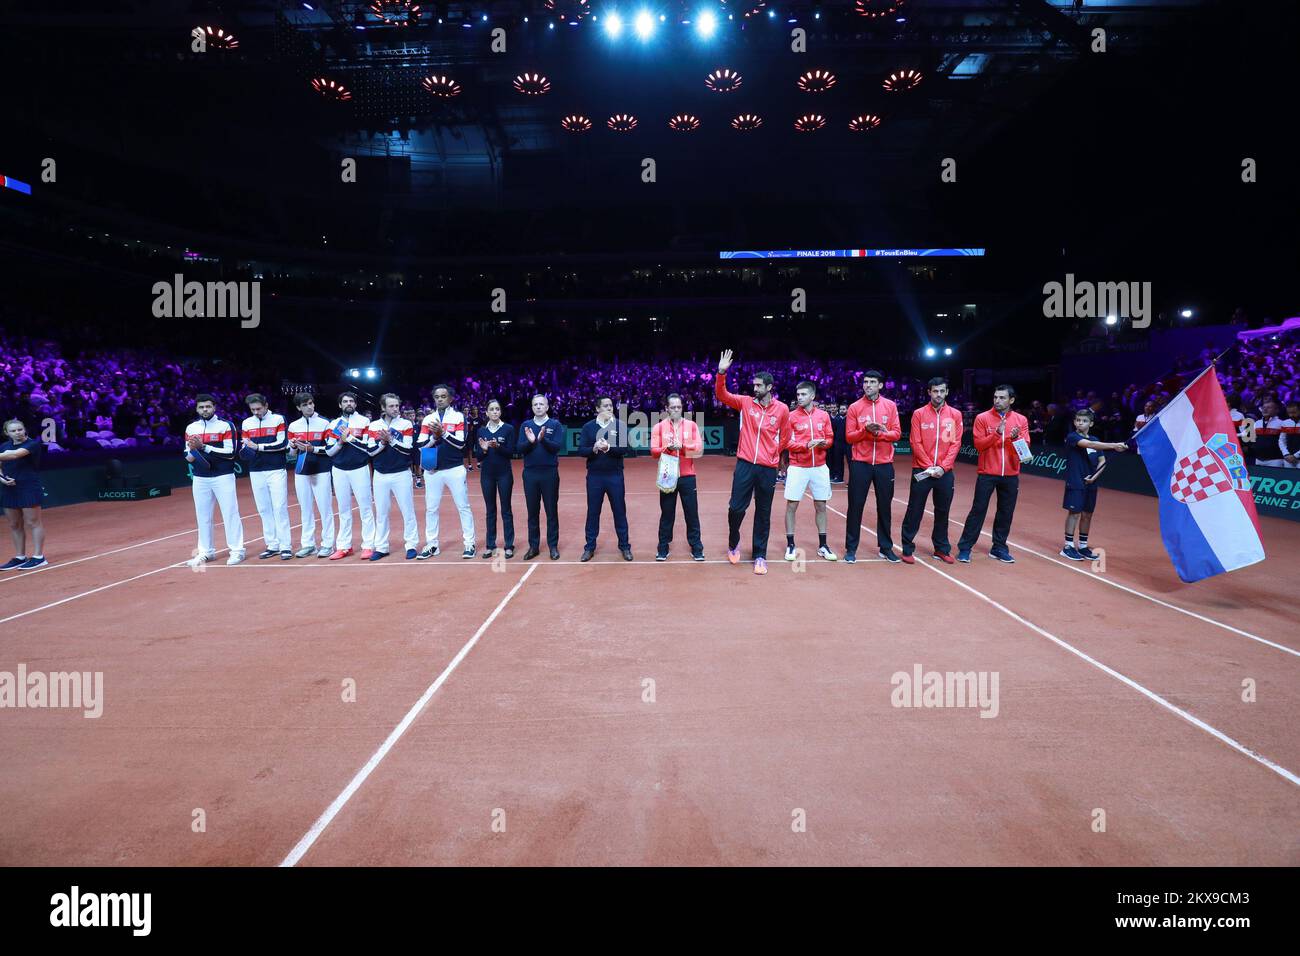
20,495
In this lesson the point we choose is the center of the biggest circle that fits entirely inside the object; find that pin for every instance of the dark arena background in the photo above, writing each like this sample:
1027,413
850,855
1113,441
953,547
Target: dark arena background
1073,206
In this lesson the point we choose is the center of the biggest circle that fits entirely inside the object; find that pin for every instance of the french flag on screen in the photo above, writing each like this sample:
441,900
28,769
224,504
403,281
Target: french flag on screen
1207,510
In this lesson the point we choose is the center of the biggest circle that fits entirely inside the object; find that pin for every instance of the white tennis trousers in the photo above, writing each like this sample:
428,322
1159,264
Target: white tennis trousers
453,479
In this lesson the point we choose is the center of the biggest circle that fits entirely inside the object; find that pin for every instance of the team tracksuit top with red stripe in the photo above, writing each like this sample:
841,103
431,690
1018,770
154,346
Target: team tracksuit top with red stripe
687,434
764,432
875,448
804,427
997,456
935,436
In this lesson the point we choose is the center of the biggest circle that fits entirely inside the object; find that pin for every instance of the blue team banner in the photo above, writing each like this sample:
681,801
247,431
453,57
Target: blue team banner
843,253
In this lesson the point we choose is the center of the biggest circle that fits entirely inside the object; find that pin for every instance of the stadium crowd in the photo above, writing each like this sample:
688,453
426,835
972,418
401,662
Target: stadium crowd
114,399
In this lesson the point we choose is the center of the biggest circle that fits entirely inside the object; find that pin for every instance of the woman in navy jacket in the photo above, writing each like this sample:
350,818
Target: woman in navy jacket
494,446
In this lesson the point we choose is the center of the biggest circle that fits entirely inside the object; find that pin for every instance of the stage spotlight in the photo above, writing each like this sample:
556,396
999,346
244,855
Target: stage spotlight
532,84
219,39
1186,313
809,122
947,351
860,124
725,80
1111,320
644,24
613,26
570,11
443,86
900,81
684,123
353,373
874,9
747,121
706,24
331,89
816,81
575,124
396,12
621,122
372,373
930,351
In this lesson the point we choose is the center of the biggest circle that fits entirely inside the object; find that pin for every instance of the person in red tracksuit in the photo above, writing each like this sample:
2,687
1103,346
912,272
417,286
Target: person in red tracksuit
936,439
871,429
764,434
811,434
996,432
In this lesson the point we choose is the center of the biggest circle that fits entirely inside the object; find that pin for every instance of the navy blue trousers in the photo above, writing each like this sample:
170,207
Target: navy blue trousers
501,485
598,487
542,488
757,482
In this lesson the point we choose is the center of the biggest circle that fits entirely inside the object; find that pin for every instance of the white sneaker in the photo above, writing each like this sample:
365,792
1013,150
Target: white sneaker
199,560
791,554
235,559
826,554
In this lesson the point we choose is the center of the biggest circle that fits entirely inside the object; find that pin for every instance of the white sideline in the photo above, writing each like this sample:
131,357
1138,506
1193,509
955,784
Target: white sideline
1115,584
361,775
1128,681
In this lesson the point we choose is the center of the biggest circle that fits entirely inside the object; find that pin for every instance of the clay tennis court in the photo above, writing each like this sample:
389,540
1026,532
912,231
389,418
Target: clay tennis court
517,697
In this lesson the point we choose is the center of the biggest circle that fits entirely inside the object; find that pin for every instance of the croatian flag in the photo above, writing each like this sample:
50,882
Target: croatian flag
1207,510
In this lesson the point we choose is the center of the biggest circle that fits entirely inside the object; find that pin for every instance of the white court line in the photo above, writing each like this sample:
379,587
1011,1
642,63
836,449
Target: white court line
104,554
1071,566
46,607
333,809
1128,681
168,567
465,563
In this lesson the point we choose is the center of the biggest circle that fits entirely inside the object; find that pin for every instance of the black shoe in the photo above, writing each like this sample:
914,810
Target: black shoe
510,552
469,552
661,556
627,554
286,555
531,553
850,557
586,555
555,554
890,556
697,556
268,553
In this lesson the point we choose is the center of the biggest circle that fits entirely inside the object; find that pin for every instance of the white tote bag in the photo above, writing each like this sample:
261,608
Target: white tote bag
669,470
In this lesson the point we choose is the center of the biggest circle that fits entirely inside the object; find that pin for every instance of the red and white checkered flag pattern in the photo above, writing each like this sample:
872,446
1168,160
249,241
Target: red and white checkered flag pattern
1199,476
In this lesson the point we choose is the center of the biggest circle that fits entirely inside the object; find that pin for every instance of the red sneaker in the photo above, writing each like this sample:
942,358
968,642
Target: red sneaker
365,554
945,558
340,555
907,559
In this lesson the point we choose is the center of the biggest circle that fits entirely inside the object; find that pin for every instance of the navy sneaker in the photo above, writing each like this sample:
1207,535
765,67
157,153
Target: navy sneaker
411,554
890,556
32,564
13,564
964,556
1073,554
1003,555
850,557
377,556
1088,554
